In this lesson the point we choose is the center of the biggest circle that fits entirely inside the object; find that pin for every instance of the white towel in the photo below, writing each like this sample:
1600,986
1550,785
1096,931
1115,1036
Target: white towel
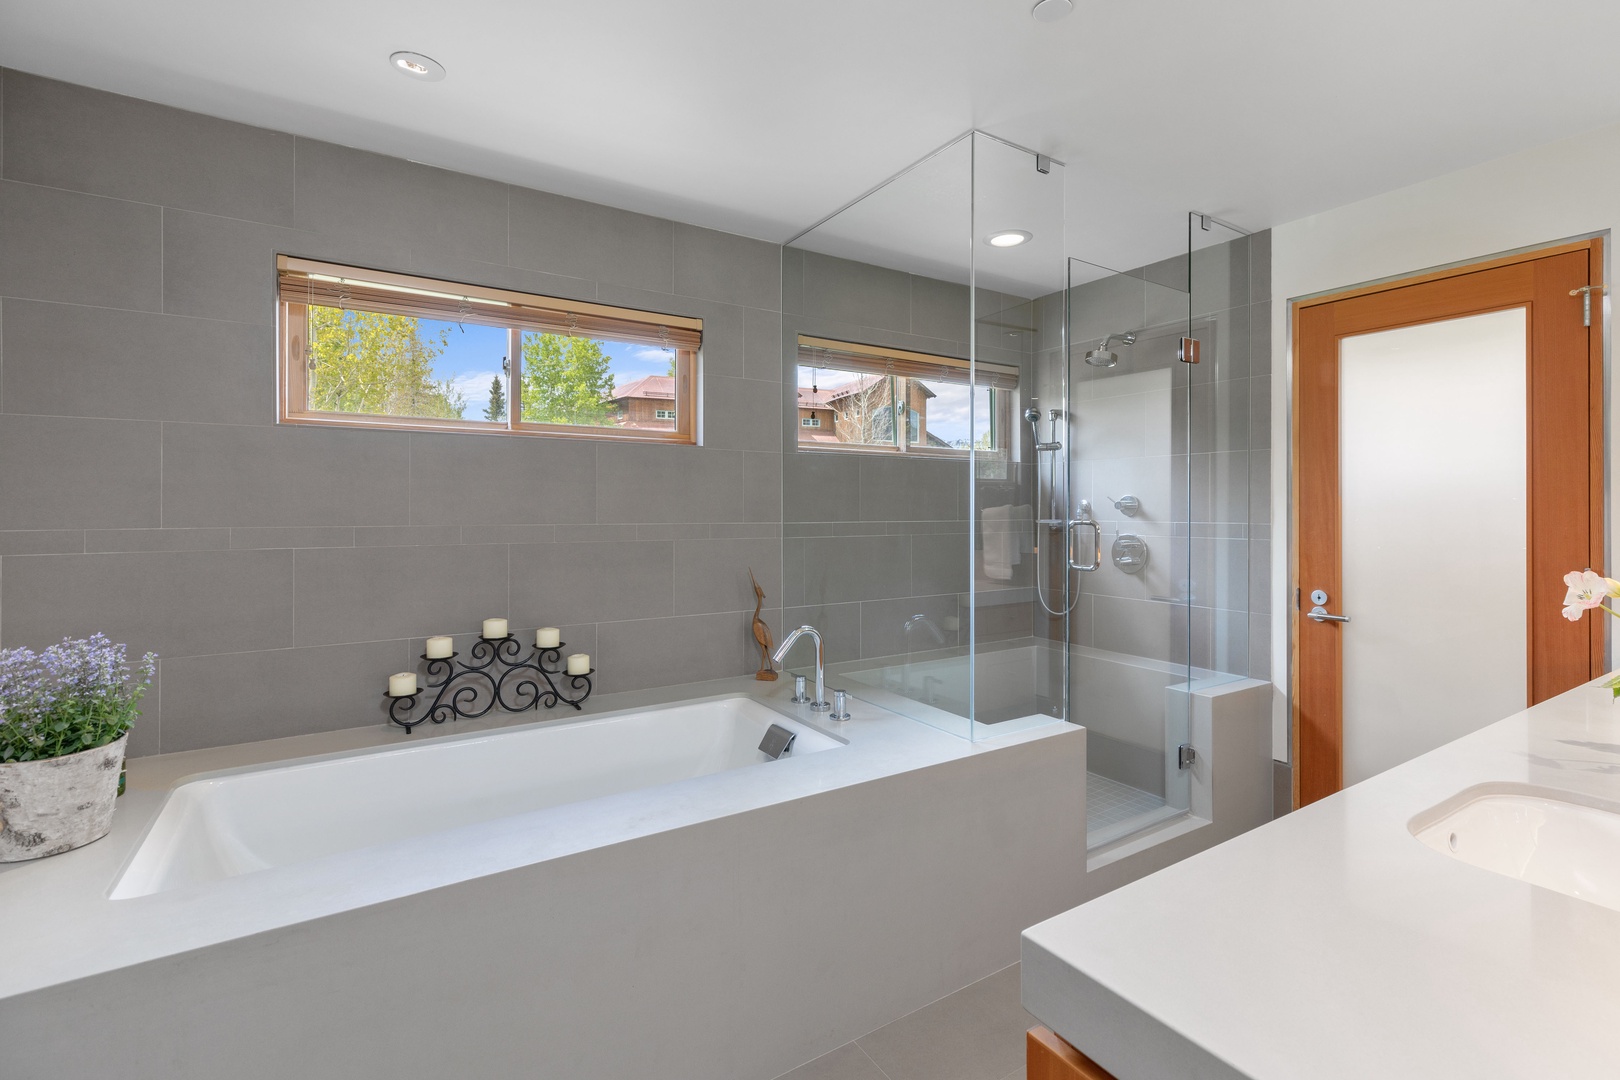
1006,537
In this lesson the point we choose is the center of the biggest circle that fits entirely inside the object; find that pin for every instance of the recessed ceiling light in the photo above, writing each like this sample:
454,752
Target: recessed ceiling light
1008,238
1051,10
418,66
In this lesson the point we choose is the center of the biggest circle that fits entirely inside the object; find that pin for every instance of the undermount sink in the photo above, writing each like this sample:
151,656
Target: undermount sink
1554,839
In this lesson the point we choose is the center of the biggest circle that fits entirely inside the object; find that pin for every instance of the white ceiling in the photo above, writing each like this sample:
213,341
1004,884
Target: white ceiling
762,117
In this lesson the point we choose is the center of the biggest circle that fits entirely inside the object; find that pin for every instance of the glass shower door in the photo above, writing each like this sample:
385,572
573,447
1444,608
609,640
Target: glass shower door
1130,483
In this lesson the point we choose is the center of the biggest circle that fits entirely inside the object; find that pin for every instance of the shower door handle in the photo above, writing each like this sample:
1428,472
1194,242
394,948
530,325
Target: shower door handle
1096,545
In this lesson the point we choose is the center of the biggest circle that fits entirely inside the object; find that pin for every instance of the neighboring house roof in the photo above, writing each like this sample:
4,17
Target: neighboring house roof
823,399
648,386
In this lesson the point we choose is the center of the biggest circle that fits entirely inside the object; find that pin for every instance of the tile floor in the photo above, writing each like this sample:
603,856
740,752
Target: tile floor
976,1033
1109,802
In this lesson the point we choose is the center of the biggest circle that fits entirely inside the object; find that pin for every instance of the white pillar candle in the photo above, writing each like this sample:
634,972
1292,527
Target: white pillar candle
579,663
494,628
439,647
402,685
547,637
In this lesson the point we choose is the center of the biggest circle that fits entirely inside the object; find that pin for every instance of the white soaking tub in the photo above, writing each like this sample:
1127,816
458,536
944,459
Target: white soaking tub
221,827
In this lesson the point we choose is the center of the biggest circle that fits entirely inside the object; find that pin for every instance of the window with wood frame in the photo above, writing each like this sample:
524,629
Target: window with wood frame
872,398
368,348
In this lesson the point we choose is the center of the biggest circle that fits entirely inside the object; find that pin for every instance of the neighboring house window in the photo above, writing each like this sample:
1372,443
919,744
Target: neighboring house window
367,348
897,401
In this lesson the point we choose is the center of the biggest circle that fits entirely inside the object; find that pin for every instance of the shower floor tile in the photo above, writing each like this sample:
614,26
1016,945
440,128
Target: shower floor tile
1110,803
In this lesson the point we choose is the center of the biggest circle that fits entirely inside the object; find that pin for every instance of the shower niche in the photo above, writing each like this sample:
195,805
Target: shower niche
1005,499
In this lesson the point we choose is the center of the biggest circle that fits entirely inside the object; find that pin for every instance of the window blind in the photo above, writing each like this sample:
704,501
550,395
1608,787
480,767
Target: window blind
304,281
817,352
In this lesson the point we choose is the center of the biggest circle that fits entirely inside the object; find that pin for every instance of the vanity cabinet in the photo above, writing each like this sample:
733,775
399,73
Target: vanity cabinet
1050,1058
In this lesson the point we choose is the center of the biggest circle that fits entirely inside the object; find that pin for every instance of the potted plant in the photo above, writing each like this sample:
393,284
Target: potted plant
64,723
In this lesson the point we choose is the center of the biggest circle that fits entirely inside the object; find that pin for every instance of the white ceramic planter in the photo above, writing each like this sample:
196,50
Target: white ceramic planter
51,806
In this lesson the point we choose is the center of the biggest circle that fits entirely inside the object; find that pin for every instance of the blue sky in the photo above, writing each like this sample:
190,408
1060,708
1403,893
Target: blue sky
473,353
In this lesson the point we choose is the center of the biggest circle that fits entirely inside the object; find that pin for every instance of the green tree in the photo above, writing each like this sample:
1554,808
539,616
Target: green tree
565,380
368,362
496,410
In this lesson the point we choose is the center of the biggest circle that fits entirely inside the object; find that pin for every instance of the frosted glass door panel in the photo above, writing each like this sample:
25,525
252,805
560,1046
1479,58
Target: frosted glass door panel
1432,475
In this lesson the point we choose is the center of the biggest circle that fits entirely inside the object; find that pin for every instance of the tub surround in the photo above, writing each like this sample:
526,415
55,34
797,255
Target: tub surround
87,933
1333,943
697,915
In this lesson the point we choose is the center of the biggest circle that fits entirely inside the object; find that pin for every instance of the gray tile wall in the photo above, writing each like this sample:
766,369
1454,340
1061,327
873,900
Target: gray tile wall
1209,449
283,572
871,540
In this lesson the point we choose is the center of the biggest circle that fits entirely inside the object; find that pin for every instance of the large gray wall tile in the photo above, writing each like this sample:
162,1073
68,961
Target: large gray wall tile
501,480
839,569
567,236
68,360
939,309
79,249
353,191
41,541
731,269
223,268
662,652
668,483
248,696
69,473
762,345
844,291
554,584
762,487
184,603
712,575
742,414
68,136
883,625
224,474
374,594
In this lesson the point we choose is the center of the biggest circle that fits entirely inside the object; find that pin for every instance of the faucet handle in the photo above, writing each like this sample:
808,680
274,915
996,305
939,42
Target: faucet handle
799,696
840,705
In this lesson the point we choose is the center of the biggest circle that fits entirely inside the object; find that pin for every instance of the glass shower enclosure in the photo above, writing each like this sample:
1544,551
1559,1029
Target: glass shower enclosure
992,471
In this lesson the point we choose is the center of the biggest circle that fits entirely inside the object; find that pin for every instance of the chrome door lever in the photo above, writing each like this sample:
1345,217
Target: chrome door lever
1320,614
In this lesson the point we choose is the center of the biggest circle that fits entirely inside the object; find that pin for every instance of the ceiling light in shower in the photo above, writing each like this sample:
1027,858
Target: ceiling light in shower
1008,238
1051,10
418,66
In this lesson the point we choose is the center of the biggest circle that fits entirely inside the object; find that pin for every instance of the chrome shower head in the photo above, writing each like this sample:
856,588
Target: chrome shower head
1102,357
1032,414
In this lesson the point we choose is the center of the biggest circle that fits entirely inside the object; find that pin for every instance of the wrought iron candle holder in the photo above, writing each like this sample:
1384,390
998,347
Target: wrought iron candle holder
496,672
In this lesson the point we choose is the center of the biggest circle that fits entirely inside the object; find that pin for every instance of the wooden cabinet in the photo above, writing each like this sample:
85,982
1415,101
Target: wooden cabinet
1050,1058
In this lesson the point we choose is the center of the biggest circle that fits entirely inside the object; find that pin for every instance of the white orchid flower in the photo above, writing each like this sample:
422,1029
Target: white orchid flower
1587,590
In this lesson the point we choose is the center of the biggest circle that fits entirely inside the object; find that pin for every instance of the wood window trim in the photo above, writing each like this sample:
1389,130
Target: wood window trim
682,334
1316,741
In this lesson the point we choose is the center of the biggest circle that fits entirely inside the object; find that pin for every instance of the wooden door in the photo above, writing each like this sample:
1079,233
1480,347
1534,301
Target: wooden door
1564,472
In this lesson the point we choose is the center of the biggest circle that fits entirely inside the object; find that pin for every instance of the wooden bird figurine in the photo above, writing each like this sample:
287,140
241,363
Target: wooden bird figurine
762,634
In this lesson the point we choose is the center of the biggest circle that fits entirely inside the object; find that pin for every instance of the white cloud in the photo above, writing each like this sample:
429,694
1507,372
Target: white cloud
474,387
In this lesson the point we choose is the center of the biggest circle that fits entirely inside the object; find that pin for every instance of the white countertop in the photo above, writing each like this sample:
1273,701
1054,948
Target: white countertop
60,924
1332,944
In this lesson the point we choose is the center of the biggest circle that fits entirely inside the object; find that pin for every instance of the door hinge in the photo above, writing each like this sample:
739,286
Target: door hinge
1185,756
1585,293
1187,352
